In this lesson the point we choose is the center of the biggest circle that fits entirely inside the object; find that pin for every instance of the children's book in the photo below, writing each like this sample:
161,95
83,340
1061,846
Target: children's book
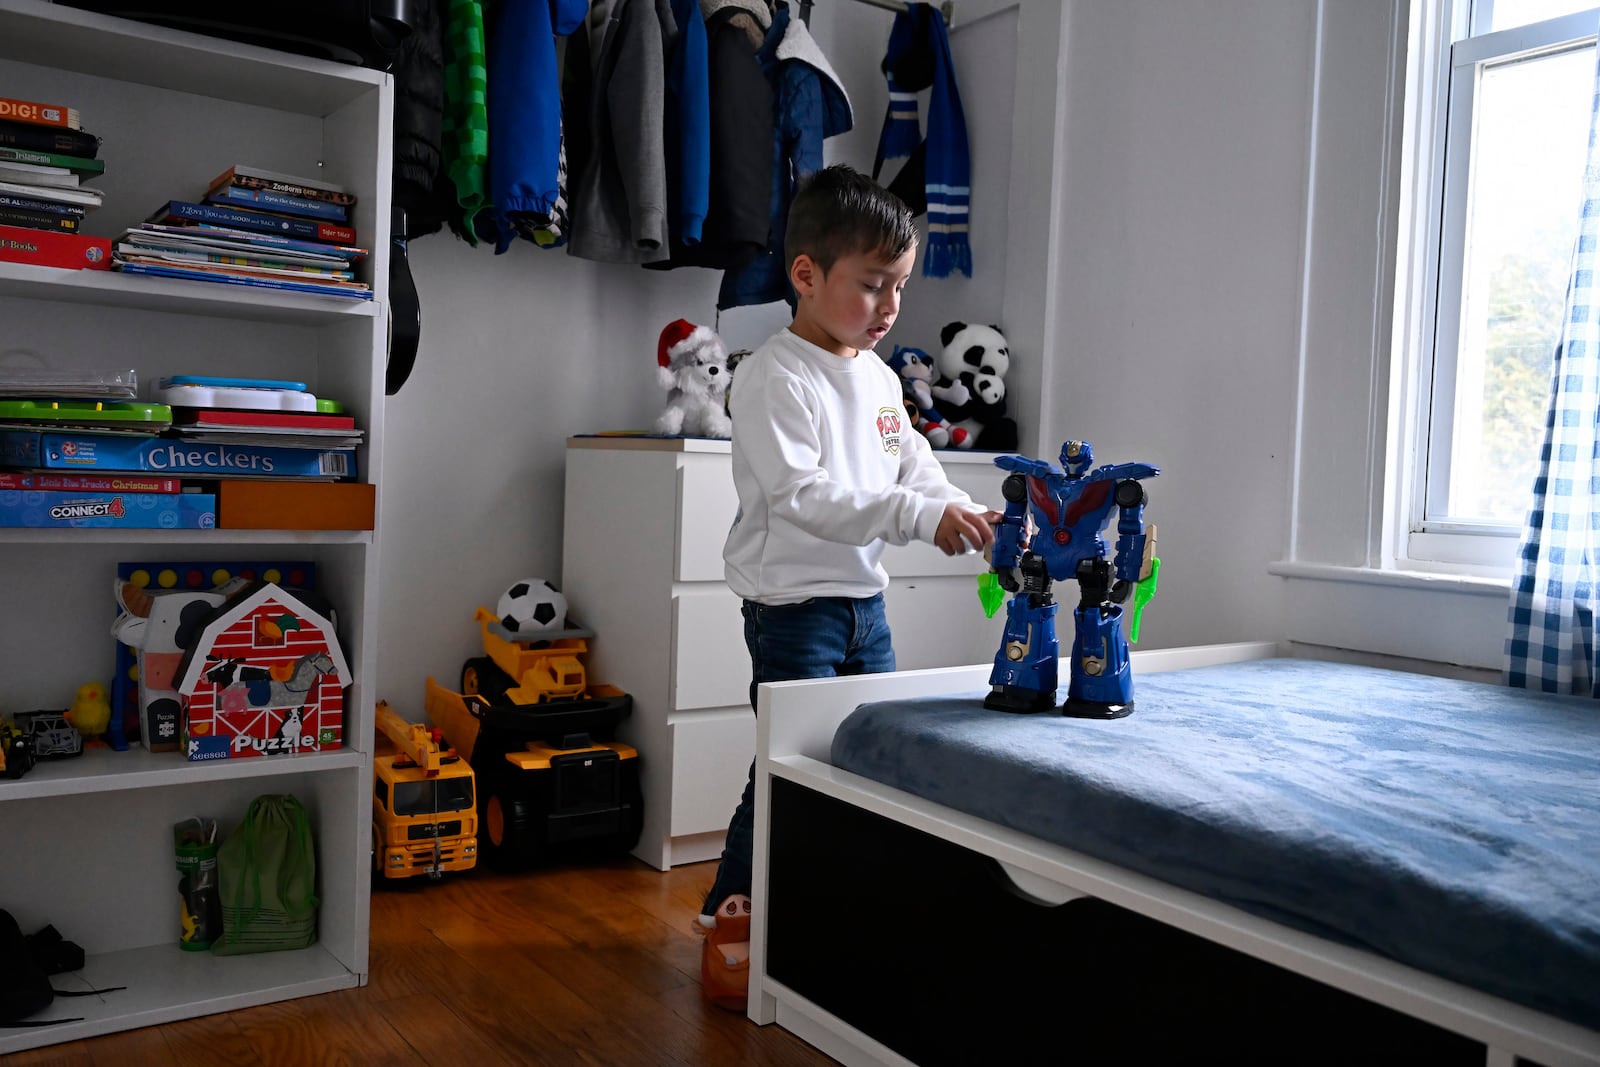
48,139
77,164
177,211
343,290
36,114
89,198
43,248
266,200
248,177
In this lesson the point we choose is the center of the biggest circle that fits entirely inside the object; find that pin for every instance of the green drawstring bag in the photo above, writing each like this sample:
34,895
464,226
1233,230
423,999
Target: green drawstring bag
266,876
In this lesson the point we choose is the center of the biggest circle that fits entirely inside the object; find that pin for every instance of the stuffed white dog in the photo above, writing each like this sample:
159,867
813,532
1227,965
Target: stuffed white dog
693,368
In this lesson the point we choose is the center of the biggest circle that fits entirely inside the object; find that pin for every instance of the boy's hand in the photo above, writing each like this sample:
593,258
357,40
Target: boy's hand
962,531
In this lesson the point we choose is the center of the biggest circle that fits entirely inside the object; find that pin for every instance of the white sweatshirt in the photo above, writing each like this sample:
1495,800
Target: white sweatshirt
828,469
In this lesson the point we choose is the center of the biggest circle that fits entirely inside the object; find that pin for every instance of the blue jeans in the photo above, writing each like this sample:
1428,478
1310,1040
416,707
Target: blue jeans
817,638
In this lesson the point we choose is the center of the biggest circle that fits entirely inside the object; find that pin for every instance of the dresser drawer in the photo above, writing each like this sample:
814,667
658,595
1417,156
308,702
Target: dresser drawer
707,503
711,754
710,665
938,622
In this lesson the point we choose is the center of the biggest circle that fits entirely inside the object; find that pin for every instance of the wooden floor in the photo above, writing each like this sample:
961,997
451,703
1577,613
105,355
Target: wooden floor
594,965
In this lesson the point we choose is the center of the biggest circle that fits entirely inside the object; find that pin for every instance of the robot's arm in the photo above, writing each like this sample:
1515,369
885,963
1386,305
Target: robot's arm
1011,532
1130,498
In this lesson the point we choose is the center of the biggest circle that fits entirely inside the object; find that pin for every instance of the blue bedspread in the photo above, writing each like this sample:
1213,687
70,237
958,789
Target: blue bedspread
1453,826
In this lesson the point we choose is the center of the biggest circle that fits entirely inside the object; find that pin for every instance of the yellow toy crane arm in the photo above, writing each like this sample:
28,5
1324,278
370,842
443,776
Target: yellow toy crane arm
413,738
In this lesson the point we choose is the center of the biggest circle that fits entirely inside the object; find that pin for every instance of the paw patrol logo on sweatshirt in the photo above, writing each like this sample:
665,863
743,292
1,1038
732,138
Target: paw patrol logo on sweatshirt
889,420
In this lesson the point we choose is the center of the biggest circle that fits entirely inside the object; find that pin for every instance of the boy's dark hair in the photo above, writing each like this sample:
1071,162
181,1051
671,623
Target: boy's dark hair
841,212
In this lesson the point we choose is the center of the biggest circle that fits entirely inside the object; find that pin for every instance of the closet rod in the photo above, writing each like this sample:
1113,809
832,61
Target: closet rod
946,9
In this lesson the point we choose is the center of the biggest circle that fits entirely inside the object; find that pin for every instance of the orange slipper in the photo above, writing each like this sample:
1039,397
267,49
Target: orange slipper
725,956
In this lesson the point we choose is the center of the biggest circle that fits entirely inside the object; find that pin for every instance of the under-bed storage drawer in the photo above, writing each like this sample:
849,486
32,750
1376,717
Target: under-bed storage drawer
927,948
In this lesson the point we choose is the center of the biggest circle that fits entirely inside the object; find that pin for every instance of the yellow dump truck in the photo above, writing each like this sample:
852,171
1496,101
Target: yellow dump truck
545,669
424,804
550,779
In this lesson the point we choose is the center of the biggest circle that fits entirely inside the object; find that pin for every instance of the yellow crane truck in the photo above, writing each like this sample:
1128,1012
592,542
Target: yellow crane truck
424,804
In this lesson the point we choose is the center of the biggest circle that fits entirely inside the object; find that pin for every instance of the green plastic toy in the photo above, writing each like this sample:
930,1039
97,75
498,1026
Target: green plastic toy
1142,592
86,414
990,594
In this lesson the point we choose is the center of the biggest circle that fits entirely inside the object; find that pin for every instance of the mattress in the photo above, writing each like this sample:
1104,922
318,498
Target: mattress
1452,826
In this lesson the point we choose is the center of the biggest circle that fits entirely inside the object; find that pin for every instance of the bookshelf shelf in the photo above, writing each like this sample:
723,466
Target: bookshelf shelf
164,984
154,538
89,839
103,771
108,289
84,42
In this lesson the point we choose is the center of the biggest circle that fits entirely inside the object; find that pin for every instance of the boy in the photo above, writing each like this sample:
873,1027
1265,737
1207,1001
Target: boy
828,469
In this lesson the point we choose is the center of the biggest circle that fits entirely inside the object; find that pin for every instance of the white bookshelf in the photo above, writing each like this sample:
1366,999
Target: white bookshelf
87,841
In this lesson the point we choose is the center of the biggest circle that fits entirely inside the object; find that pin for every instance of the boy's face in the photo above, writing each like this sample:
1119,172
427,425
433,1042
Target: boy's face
850,306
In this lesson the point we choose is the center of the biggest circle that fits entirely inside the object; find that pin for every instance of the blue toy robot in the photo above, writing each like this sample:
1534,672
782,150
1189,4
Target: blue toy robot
1070,507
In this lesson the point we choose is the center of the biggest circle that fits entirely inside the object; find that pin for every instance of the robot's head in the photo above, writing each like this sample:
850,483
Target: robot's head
1076,458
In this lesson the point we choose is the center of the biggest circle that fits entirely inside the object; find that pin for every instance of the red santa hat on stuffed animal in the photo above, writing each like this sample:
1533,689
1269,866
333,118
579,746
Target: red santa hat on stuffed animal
681,338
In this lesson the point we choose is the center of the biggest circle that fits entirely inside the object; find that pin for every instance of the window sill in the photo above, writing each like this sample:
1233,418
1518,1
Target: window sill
1469,584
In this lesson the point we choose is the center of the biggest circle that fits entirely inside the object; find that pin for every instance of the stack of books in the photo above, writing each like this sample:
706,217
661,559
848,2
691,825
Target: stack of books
45,159
253,227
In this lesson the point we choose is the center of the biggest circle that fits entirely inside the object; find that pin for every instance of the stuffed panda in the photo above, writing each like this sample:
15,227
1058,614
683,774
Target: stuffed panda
971,390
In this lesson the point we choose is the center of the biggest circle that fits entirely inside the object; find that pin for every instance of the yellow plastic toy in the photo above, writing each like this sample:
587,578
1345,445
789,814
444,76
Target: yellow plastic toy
424,804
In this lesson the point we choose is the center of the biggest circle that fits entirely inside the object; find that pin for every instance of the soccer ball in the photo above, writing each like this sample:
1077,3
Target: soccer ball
532,606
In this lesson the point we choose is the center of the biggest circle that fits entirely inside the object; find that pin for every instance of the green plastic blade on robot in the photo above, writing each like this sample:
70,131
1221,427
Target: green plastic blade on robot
1142,592
990,594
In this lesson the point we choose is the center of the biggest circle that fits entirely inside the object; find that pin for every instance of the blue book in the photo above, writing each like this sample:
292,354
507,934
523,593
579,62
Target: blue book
175,271
128,511
169,456
258,221
266,200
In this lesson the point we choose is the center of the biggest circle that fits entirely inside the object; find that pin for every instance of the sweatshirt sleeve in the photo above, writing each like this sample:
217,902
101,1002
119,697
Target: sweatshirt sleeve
921,473
775,433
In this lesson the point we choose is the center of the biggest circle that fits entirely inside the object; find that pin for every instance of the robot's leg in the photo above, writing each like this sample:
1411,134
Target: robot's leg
1100,685
1024,675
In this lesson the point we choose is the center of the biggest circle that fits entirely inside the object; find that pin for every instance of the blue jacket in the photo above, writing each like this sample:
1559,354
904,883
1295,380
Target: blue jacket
809,105
525,108
689,123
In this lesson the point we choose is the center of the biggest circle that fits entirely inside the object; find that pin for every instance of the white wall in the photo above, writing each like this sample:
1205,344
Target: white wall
1183,193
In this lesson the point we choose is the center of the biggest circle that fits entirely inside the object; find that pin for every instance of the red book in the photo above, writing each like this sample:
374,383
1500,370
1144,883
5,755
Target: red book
39,114
297,420
87,483
43,248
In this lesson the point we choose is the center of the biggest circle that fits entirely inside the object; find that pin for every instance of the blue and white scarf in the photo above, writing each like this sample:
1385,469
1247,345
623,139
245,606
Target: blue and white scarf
918,45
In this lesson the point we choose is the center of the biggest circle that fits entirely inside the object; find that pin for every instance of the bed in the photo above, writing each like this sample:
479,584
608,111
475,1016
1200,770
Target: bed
1197,901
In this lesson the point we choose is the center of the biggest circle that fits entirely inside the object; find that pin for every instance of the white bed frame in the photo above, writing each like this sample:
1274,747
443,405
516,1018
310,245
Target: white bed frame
794,732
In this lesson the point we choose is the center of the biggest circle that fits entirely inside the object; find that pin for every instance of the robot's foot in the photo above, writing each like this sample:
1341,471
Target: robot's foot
1088,709
1019,699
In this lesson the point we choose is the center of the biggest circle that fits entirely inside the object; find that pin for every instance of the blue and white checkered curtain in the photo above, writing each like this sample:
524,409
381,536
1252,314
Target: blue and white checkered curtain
1551,646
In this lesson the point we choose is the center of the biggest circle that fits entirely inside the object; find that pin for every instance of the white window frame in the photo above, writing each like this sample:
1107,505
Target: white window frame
1442,81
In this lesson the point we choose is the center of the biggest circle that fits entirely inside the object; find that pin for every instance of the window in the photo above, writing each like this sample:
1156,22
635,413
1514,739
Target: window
1500,153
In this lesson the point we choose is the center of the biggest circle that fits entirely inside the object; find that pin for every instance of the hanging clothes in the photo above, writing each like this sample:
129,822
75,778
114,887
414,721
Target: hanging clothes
619,201
810,105
739,101
525,110
465,128
937,174
688,126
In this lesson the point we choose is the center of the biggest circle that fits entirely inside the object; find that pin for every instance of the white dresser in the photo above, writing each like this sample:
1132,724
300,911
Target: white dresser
642,566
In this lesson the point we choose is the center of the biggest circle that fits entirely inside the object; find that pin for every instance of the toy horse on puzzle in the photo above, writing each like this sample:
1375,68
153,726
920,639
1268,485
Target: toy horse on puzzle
268,687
